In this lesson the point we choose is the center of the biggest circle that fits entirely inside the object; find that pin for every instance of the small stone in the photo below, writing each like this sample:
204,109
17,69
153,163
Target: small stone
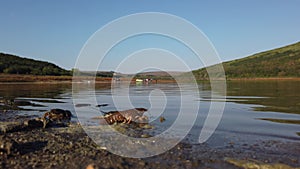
162,119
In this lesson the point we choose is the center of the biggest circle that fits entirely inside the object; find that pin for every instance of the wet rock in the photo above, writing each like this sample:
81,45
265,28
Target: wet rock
58,117
142,120
125,116
34,123
7,145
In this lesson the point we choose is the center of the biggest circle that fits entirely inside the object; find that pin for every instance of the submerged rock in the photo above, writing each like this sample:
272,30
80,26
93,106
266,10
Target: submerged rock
126,116
82,105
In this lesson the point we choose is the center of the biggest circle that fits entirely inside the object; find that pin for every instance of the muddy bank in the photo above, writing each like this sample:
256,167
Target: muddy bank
70,147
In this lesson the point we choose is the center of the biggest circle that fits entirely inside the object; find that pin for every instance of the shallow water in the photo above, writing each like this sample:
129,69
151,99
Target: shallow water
254,110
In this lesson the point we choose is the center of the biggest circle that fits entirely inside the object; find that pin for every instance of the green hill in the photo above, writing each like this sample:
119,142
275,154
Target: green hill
280,62
11,64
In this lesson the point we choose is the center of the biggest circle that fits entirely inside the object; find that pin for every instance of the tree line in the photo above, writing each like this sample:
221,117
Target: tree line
11,64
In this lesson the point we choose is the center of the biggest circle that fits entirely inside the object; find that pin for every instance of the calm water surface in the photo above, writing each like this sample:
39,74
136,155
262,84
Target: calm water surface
254,111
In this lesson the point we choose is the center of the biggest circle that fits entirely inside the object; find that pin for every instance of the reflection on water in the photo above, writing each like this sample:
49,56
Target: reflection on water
28,96
33,90
288,121
254,109
273,96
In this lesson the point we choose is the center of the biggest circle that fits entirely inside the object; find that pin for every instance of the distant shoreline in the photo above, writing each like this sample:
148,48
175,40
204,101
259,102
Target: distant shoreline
15,78
265,78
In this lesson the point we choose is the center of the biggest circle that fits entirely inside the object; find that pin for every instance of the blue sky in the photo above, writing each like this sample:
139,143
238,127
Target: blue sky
56,31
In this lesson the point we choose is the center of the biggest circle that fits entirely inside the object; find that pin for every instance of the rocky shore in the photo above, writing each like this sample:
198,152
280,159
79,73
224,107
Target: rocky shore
23,146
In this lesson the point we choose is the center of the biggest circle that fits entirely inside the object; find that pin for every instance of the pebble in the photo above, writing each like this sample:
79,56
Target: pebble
91,166
162,119
145,136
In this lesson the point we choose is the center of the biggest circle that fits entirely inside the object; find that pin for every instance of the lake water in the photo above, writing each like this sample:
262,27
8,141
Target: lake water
254,110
